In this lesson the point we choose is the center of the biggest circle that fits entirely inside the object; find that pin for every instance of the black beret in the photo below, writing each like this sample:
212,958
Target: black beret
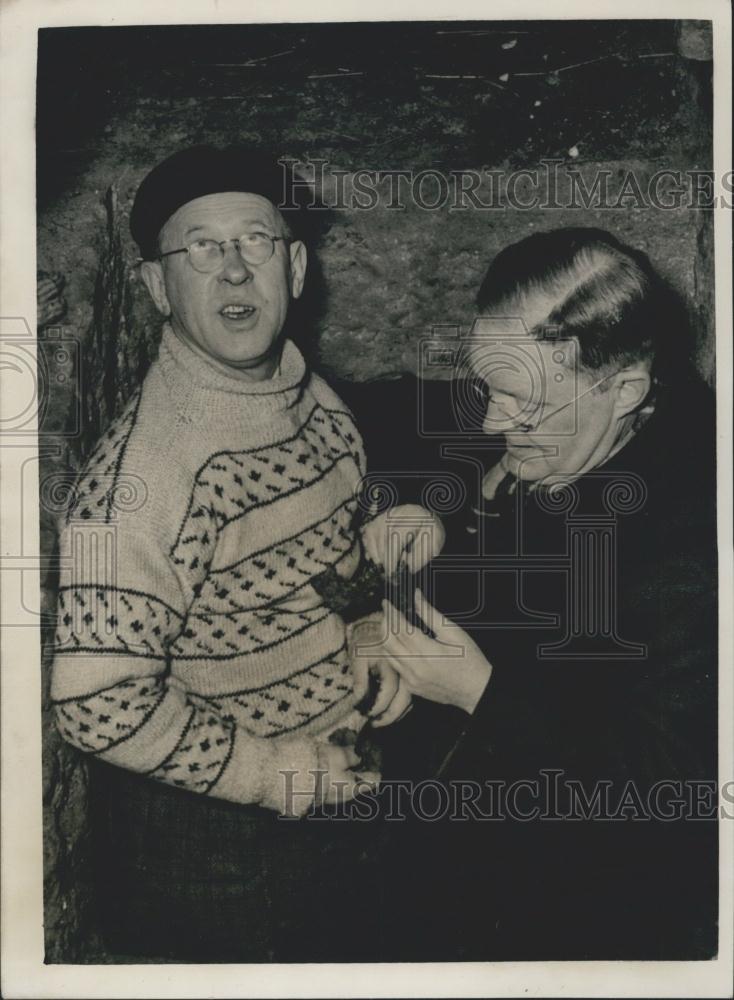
202,170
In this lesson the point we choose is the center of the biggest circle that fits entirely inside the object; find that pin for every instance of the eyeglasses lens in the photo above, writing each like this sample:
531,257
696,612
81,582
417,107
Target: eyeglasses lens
207,255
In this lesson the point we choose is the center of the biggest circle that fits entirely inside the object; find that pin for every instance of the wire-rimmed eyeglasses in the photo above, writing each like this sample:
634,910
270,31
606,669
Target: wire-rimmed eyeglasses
526,426
206,255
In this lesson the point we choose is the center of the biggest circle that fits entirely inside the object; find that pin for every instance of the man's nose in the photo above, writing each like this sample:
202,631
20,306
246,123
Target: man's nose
234,267
498,421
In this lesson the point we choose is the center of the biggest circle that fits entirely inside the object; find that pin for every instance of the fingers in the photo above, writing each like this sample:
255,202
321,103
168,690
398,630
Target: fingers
403,662
398,706
338,780
341,784
370,540
368,631
389,682
399,549
337,760
420,548
351,757
385,543
408,533
427,541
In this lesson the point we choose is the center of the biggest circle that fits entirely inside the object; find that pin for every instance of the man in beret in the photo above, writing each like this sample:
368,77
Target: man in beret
201,660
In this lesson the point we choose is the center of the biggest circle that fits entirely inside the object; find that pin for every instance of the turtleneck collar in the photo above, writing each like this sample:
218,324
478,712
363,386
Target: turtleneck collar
205,389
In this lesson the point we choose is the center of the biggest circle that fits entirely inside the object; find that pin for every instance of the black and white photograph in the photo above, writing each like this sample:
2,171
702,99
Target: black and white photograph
366,504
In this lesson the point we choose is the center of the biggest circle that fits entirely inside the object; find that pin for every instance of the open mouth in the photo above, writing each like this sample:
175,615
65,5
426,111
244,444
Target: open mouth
235,312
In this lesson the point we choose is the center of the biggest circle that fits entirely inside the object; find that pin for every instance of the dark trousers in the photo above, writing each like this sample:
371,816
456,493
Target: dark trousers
196,879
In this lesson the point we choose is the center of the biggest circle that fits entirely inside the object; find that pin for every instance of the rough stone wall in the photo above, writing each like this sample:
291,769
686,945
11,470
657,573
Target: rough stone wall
93,358
389,279
392,279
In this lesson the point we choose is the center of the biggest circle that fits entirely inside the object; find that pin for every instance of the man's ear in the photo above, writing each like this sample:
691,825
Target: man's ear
299,258
152,272
632,389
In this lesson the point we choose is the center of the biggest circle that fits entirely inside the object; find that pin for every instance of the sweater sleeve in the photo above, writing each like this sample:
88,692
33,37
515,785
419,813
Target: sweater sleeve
120,606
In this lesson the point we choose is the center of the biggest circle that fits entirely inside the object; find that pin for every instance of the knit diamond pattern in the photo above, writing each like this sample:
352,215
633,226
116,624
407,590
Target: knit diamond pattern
181,656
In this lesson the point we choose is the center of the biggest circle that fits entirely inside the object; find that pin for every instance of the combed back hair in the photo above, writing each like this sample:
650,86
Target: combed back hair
601,292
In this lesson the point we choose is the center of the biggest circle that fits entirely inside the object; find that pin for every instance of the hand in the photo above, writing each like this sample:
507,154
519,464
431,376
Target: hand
393,698
342,780
408,533
450,669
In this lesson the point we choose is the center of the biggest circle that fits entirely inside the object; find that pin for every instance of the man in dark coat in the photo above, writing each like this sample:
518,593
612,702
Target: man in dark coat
579,585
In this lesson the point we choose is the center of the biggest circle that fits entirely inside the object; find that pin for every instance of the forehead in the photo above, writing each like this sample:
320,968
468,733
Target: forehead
223,210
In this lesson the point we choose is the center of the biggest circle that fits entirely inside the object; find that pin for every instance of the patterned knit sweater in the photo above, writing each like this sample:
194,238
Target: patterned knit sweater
185,649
